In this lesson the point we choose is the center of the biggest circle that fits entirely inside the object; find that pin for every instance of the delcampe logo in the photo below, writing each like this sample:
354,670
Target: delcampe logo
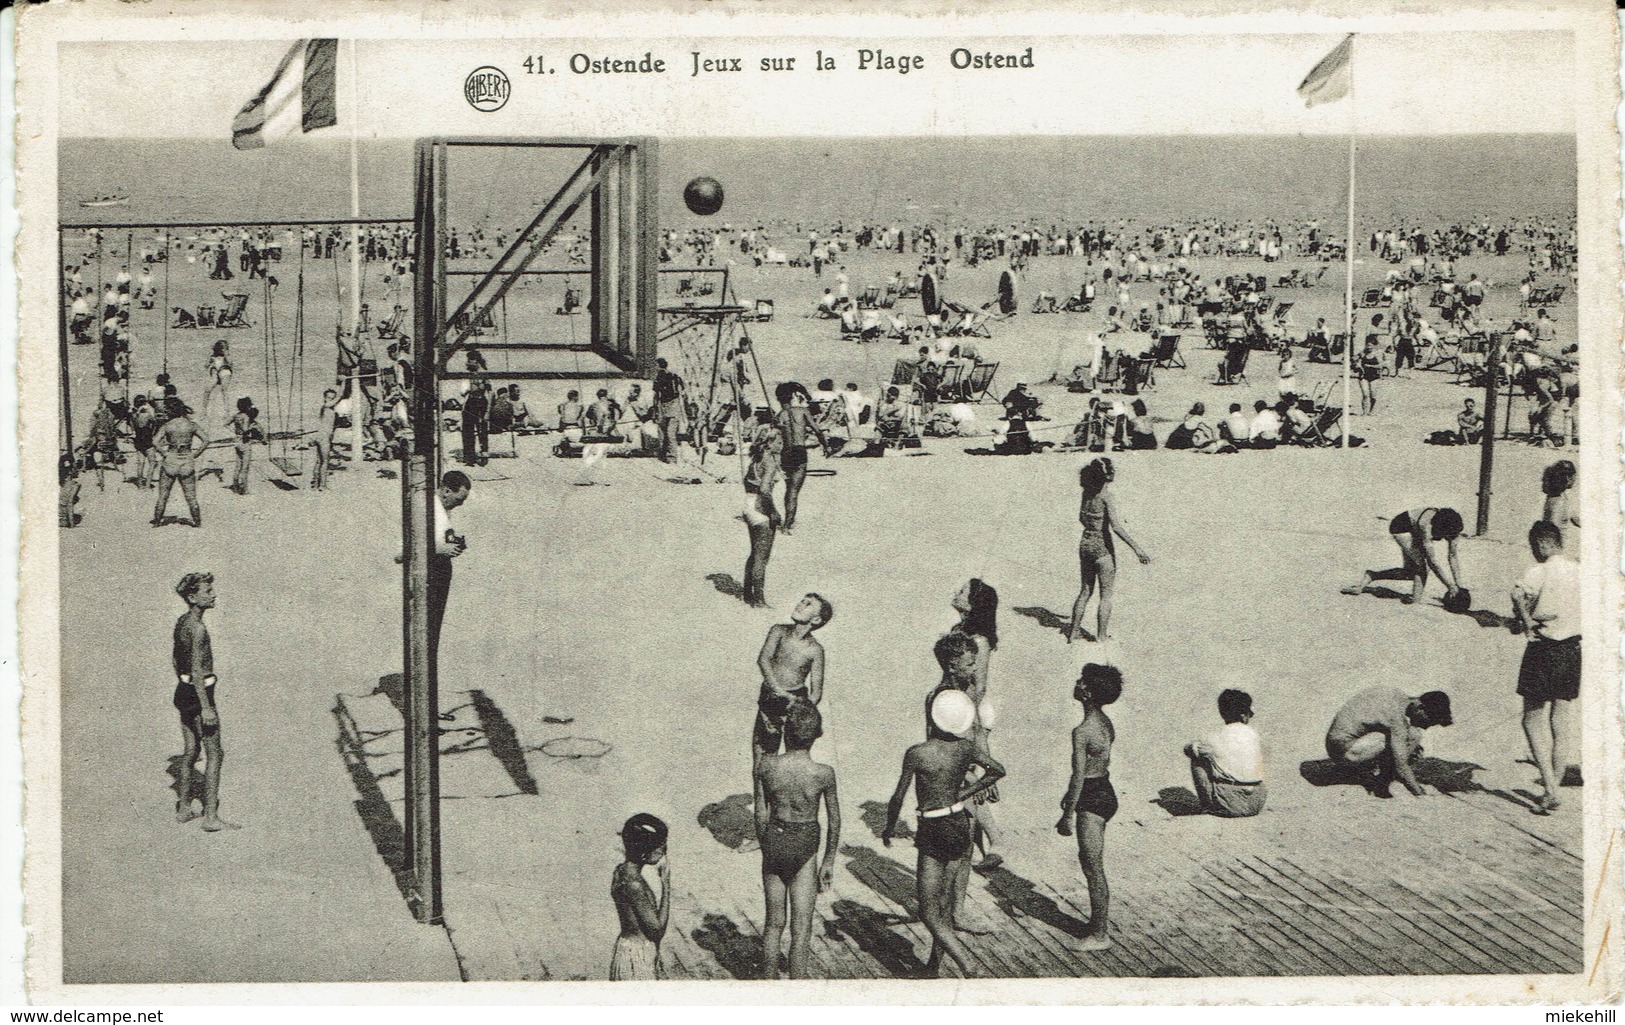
486,89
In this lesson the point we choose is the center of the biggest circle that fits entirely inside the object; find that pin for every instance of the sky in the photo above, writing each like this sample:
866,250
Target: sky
1411,83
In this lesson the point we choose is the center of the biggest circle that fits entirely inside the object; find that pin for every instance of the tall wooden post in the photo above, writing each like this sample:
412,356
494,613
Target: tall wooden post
647,230
625,267
419,475
1486,459
63,312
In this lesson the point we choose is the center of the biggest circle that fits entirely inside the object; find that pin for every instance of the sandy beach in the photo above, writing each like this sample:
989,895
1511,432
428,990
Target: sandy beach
595,603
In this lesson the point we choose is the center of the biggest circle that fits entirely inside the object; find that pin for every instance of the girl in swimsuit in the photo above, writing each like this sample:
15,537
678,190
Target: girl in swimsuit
1557,484
1370,370
1090,800
1097,557
643,917
219,376
1415,531
978,608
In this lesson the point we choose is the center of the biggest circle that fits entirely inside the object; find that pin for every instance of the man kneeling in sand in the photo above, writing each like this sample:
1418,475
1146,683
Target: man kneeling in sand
1377,734
1227,765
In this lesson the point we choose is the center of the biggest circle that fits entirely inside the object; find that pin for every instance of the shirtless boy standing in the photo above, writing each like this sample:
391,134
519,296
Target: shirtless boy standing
193,658
788,789
936,770
792,665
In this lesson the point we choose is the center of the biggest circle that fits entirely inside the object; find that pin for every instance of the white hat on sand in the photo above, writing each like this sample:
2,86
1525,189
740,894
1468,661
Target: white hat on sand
953,712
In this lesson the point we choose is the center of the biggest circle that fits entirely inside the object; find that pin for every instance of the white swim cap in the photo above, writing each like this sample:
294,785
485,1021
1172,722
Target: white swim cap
953,712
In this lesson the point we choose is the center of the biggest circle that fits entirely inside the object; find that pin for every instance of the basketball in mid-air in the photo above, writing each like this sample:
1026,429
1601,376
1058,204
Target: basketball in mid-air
703,196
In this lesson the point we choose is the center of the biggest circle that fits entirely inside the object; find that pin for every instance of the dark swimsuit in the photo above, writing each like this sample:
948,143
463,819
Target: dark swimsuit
946,838
1098,797
787,846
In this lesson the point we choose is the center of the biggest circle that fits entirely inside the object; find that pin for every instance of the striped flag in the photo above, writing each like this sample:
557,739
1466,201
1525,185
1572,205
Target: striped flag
301,96
1332,78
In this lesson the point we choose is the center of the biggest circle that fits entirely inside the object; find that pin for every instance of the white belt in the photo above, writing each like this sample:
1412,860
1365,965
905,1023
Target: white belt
942,813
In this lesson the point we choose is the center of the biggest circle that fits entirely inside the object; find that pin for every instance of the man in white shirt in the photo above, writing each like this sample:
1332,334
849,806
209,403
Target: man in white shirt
1546,602
1265,431
1236,426
1227,766
448,544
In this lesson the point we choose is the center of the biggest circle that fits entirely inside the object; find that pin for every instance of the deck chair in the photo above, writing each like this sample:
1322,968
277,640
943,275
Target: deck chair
1166,353
979,382
763,311
1321,394
1283,312
1110,372
950,386
1143,371
183,318
869,298
231,315
1440,354
905,373
1318,433
390,326
1370,299
1233,367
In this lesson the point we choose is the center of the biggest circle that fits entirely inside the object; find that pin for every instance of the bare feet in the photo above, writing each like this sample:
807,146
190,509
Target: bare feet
1365,582
217,824
184,812
1095,941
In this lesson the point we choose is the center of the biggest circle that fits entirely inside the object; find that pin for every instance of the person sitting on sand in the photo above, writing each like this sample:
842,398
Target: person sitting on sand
1227,766
571,415
1234,428
1415,532
1377,735
1265,430
891,418
1469,424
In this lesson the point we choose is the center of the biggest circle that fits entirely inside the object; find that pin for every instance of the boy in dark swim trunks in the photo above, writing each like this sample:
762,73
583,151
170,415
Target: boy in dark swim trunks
788,789
1377,735
1415,532
193,659
936,769
1090,796
792,665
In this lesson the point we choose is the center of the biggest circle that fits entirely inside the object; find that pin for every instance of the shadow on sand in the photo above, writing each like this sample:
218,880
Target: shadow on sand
731,822
1178,801
738,954
725,583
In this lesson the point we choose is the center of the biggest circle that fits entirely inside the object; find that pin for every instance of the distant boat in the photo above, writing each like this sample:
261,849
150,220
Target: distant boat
105,201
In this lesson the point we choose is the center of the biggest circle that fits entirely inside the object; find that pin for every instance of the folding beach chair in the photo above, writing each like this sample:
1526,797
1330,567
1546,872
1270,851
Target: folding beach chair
1319,432
1166,353
950,386
1441,354
1283,313
979,382
232,314
869,298
1233,367
390,326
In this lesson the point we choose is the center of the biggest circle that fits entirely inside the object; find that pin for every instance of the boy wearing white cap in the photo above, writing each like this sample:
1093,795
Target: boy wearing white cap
936,769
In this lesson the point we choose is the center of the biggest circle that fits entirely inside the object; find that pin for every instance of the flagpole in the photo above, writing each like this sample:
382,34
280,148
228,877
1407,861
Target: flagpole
360,409
1348,284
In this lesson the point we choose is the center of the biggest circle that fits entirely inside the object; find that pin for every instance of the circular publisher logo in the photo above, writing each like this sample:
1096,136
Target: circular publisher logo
486,89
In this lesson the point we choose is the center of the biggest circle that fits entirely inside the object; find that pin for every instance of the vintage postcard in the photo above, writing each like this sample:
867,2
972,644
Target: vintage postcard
1058,504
